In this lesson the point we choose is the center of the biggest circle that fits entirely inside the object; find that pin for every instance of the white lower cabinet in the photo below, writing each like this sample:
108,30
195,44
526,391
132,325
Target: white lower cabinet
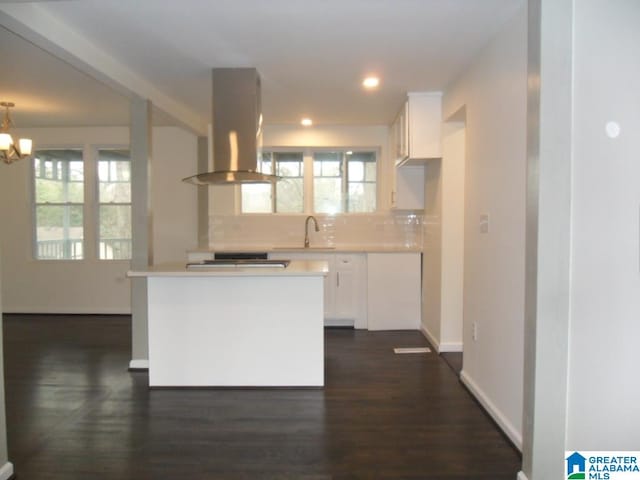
394,291
345,286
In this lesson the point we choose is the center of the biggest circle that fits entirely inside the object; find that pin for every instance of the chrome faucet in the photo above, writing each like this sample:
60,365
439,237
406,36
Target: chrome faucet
306,229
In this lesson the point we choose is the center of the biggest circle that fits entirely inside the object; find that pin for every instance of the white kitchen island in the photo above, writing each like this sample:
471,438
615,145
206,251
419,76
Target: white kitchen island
236,326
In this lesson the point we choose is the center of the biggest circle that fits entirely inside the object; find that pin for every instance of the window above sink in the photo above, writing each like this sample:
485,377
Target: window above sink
315,180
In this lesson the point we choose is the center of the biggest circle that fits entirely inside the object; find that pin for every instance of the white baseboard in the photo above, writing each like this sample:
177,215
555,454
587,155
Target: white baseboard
522,476
139,364
451,347
68,310
430,338
440,347
6,471
504,424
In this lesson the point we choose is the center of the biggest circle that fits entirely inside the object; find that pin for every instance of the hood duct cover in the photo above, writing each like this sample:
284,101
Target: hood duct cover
237,129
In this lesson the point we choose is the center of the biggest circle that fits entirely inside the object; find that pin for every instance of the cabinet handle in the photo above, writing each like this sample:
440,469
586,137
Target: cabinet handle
337,279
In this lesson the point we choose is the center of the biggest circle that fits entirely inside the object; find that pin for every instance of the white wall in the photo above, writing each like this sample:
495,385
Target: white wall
453,177
92,286
432,254
604,393
493,92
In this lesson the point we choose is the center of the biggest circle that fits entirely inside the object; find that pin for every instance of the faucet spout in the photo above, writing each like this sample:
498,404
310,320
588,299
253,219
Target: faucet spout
306,229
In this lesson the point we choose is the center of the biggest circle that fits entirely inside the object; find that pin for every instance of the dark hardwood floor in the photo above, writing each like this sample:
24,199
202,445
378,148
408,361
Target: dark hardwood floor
75,412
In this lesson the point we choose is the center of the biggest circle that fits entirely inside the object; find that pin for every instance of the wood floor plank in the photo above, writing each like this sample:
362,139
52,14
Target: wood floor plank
75,412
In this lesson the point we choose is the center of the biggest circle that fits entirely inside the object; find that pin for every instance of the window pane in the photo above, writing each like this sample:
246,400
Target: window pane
289,190
59,232
356,171
114,197
289,197
115,232
328,182
256,198
59,176
265,163
370,171
327,195
58,195
362,197
361,182
114,180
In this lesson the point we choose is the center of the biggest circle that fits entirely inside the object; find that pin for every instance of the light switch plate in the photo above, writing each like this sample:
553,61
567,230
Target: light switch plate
484,223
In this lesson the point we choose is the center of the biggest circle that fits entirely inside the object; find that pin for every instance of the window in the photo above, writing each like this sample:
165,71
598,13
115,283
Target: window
320,181
114,205
59,204
69,226
288,196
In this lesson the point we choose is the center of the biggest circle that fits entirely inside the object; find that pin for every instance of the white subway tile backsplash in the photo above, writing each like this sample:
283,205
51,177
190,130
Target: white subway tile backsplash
399,230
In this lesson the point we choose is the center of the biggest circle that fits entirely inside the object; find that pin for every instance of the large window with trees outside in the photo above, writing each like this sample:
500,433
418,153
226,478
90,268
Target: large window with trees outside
82,204
59,204
315,181
114,204
287,197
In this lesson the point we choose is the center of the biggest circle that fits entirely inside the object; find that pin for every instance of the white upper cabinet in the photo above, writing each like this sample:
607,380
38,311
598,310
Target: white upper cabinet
417,129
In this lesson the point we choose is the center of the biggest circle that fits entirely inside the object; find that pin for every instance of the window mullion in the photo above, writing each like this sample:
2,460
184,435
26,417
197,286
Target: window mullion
91,207
274,187
308,181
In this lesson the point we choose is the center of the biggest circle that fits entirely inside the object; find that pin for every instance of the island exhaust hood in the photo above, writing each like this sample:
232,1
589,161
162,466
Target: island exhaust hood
236,124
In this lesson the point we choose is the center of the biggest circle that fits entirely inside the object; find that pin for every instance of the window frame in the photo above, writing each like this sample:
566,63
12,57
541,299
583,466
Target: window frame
95,160
308,178
35,204
91,207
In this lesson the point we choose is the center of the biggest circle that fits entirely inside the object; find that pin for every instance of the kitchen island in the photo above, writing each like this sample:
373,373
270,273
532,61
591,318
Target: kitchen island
236,326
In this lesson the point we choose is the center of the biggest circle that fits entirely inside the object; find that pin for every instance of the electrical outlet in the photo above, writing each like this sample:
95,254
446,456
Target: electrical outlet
474,331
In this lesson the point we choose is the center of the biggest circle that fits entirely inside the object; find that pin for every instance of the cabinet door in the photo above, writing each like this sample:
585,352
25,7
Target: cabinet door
394,291
346,299
424,125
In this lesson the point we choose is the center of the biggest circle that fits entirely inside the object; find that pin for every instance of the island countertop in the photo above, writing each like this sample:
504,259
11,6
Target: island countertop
296,268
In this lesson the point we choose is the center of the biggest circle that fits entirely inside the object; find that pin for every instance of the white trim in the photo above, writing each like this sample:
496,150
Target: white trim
440,347
139,364
522,476
69,310
451,347
430,338
504,424
6,471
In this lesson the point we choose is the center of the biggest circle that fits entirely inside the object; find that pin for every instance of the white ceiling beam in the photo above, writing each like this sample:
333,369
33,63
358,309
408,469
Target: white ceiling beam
36,25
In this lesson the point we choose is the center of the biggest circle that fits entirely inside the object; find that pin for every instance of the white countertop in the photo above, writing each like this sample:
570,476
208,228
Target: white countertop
297,268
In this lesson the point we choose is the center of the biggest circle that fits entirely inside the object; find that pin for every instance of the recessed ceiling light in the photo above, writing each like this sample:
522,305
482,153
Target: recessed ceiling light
371,82
306,122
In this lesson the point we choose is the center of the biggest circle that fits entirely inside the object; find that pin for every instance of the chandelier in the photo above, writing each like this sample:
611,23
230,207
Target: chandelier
9,151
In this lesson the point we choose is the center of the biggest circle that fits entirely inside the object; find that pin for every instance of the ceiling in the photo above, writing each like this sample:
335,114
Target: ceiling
311,55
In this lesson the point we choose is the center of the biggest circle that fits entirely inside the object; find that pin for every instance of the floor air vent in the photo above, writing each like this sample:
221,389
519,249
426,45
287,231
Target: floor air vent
412,350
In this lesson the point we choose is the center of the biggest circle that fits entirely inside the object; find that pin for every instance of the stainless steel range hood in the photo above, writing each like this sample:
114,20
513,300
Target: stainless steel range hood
237,129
